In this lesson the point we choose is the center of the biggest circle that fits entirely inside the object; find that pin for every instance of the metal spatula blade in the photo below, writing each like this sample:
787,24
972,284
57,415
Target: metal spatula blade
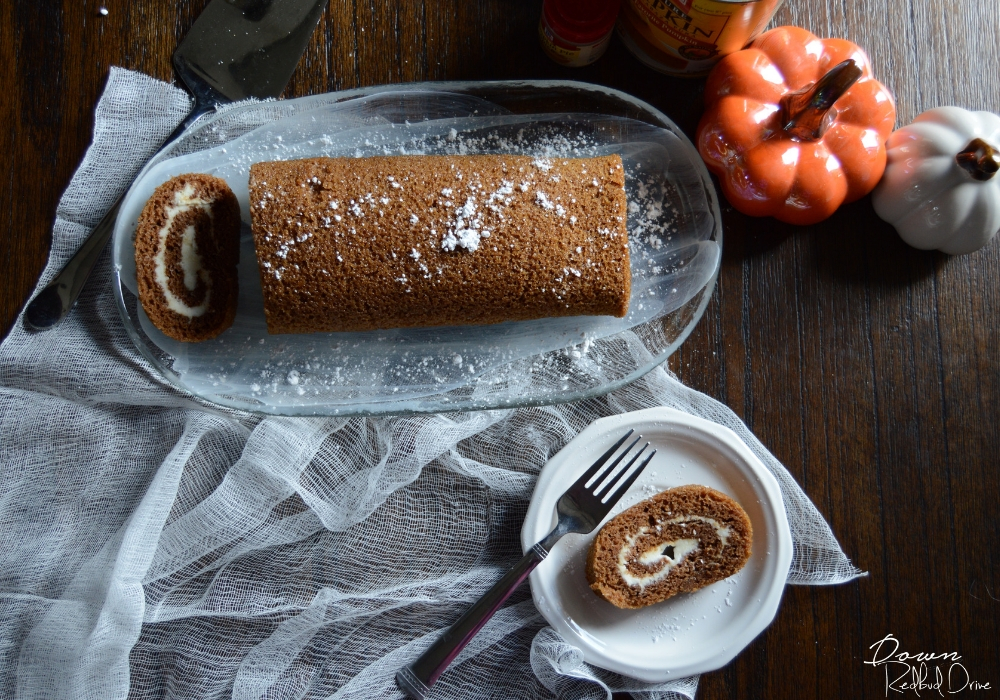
235,49
246,48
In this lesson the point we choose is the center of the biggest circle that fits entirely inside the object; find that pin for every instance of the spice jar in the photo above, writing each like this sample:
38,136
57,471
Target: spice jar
688,37
576,33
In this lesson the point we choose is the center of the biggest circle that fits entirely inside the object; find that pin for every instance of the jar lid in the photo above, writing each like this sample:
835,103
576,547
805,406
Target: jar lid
581,21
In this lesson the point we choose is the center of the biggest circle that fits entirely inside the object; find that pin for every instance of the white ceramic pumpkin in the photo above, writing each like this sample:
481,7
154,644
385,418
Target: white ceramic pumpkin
941,188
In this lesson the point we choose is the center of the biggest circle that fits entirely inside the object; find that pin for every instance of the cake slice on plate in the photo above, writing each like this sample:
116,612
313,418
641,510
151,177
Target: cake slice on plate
187,247
678,541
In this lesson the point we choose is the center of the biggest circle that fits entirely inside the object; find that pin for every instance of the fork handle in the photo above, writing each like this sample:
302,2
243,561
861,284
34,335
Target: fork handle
416,679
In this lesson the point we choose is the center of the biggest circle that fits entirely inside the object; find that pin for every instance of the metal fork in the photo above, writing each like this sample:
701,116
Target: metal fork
580,509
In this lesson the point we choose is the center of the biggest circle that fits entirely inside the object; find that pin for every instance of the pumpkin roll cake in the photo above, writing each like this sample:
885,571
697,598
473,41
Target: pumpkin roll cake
357,244
187,247
678,541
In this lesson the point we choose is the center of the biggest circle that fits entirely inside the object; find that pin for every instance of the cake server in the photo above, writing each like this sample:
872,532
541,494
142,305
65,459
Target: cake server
236,49
580,509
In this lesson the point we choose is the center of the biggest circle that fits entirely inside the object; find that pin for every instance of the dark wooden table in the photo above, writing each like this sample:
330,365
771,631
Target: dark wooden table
870,369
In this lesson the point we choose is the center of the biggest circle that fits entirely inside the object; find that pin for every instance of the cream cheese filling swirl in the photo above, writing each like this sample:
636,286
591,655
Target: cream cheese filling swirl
185,200
647,558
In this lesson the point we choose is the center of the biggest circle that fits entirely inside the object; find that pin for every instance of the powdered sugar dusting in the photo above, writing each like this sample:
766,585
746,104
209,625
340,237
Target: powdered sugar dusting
466,231
542,200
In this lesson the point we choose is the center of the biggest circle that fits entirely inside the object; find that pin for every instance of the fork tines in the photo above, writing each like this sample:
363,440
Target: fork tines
610,479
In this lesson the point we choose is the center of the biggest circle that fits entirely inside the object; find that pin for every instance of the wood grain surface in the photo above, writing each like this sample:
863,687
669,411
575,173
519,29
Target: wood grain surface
870,369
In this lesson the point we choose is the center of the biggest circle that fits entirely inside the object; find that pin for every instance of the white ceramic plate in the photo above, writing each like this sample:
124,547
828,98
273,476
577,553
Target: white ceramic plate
689,633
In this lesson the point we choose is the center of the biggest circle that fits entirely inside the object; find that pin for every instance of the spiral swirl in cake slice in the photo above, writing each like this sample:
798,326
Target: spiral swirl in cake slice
678,541
187,247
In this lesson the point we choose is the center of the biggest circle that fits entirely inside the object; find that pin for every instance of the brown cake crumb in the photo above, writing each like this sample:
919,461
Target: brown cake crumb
187,247
678,541
349,244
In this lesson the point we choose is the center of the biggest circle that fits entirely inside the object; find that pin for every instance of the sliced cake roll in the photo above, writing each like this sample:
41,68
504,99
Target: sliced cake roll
187,246
357,244
678,541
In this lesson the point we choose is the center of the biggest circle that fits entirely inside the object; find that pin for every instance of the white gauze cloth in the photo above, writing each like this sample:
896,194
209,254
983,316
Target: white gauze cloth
155,547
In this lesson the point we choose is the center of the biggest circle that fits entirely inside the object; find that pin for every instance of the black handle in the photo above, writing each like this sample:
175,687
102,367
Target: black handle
416,679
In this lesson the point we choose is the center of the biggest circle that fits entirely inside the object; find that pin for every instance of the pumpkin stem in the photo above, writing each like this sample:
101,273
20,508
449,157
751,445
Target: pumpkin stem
980,159
803,112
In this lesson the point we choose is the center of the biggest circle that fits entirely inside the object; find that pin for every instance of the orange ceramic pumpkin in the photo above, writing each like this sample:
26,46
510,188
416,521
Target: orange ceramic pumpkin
795,125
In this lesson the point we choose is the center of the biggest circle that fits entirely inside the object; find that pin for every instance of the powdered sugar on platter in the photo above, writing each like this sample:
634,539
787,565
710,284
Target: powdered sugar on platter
673,240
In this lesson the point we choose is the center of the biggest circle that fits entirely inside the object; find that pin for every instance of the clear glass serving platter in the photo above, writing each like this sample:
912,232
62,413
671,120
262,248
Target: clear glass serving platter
674,229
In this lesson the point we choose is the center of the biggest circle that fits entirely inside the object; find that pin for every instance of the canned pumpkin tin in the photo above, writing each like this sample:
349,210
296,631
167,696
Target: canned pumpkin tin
688,37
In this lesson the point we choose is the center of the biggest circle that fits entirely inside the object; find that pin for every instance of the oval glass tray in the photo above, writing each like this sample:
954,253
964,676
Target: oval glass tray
675,239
